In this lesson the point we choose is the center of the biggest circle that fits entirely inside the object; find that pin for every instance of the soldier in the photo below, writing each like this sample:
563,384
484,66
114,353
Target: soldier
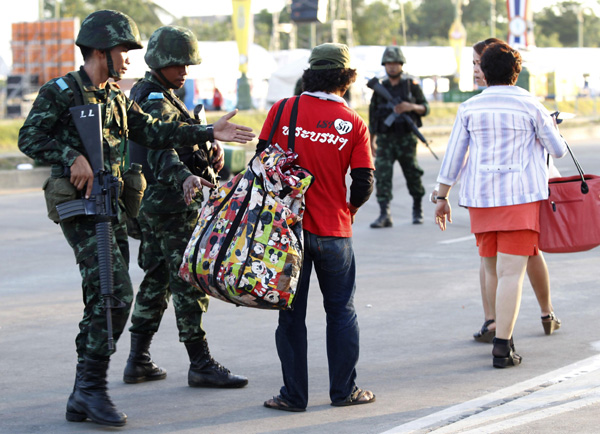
396,142
168,217
50,136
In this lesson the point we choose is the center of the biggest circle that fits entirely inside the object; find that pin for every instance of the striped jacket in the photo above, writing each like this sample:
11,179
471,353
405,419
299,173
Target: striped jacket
498,147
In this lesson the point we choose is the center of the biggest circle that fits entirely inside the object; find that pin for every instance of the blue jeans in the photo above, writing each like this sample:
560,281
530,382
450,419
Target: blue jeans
333,261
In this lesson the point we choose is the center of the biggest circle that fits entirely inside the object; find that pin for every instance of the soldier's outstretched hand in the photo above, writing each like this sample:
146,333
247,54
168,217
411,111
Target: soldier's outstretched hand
229,132
192,184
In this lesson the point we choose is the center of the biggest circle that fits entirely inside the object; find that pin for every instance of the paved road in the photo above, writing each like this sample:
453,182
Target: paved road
418,305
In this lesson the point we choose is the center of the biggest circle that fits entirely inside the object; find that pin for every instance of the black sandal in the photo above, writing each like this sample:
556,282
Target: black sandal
485,335
504,353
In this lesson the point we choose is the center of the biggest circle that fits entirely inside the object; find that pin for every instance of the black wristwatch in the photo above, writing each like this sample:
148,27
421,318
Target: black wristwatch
211,133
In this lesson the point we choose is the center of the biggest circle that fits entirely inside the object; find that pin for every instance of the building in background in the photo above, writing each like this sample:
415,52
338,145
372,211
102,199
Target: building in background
41,50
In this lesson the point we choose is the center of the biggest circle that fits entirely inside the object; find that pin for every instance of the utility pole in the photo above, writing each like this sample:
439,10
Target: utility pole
403,22
288,28
340,13
492,18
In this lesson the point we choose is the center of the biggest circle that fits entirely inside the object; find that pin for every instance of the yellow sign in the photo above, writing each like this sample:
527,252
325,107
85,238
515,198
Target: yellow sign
243,30
458,39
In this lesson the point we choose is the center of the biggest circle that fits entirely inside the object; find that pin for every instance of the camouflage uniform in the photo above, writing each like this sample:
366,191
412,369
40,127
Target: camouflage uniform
49,136
167,224
397,142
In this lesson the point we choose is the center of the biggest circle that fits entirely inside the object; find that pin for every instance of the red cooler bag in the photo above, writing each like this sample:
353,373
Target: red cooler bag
570,217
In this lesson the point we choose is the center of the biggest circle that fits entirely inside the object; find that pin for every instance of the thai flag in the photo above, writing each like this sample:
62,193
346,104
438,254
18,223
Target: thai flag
520,24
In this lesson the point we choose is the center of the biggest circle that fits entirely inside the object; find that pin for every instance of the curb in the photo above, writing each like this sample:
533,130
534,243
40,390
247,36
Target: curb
17,181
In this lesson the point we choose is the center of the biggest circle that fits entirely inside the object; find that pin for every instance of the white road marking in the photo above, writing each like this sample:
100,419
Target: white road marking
560,391
458,240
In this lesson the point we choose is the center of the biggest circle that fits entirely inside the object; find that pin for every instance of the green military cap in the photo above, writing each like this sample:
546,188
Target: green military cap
172,45
393,54
106,29
329,56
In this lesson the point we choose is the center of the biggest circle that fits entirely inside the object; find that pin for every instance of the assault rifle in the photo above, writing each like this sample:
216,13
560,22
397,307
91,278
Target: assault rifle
102,203
393,116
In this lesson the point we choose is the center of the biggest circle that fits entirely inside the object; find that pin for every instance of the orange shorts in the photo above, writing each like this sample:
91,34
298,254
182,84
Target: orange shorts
521,243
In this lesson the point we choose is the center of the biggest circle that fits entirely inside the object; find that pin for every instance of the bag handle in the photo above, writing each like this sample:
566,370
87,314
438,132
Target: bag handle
276,121
292,130
273,127
584,187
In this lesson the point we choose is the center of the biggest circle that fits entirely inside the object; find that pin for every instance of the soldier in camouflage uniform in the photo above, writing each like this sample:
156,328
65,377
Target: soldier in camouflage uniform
397,142
50,136
168,219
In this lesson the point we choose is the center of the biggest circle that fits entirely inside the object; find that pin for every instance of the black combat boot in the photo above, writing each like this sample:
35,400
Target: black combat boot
385,217
140,366
90,399
417,212
72,415
206,372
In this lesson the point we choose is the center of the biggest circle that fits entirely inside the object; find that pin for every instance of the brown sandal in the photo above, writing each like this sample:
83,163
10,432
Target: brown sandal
356,397
278,403
550,323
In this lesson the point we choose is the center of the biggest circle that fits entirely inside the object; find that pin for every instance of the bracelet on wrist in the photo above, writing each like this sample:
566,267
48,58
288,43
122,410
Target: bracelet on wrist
441,198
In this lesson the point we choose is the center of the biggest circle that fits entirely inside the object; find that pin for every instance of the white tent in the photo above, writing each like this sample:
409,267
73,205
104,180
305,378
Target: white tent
420,62
569,66
291,65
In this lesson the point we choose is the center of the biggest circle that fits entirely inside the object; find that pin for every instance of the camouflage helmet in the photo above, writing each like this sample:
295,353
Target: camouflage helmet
172,45
393,54
106,29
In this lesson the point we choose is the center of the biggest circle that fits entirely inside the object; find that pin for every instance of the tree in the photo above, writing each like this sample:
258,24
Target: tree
377,25
145,13
263,28
561,20
208,29
477,20
434,18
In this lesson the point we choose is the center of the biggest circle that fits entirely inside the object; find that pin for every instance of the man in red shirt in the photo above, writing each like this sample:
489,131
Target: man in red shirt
330,139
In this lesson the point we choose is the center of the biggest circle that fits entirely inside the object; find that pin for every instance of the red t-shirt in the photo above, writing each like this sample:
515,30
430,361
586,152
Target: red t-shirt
330,139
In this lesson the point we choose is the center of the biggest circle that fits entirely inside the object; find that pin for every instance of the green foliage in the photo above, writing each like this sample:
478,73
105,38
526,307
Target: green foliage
562,17
546,39
263,27
561,22
145,13
376,23
9,134
205,30
434,18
